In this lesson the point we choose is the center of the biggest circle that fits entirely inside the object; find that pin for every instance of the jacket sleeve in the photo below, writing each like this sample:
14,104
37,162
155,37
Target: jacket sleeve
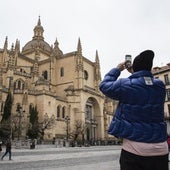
110,86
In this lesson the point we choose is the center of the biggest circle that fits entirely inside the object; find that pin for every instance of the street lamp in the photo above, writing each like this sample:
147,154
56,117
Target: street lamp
67,120
20,112
11,124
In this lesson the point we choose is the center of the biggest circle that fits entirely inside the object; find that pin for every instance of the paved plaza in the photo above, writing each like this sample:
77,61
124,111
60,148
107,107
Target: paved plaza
66,158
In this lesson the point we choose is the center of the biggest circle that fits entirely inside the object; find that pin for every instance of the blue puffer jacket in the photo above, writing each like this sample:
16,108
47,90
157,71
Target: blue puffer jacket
140,112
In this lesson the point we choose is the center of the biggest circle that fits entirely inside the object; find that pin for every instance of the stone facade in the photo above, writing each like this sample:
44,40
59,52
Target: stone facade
163,73
59,85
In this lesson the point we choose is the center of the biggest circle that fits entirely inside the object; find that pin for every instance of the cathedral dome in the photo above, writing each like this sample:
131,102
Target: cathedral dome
34,44
37,41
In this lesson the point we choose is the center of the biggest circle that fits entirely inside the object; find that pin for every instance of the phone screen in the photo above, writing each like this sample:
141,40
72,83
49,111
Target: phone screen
128,61
128,58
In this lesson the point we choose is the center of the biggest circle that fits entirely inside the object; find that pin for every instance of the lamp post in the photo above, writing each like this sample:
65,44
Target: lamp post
67,120
11,124
20,112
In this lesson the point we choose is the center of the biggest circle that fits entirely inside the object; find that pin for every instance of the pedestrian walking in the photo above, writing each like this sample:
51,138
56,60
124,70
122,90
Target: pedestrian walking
139,117
8,149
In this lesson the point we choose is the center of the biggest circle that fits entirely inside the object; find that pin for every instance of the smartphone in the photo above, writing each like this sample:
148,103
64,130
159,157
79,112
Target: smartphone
128,61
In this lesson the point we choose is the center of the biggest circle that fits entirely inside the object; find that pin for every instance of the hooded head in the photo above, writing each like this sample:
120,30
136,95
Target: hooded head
143,61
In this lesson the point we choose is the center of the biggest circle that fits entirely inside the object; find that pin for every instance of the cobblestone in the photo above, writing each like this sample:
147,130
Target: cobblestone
78,158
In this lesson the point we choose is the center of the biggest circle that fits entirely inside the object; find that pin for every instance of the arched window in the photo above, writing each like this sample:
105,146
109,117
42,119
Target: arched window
63,112
89,109
61,72
88,112
86,75
58,111
19,84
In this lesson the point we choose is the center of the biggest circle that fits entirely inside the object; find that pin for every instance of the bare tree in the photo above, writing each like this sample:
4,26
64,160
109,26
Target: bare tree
77,134
46,124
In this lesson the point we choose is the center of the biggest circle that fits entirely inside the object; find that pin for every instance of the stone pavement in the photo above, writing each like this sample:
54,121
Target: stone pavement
72,158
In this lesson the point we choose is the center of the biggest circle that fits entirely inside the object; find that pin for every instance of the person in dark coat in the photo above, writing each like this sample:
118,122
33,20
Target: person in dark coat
8,149
139,118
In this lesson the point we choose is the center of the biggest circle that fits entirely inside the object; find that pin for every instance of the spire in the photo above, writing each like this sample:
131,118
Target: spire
38,31
79,59
5,53
97,69
39,22
56,43
16,52
17,46
79,48
6,43
97,57
56,51
79,66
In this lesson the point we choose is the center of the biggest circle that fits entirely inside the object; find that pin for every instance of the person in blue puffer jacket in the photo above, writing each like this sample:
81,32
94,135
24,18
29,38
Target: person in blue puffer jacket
139,117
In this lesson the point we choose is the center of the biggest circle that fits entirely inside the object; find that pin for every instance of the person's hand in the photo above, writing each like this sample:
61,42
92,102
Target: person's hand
121,66
130,69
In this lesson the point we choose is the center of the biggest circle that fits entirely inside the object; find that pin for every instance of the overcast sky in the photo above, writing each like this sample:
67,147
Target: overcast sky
113,27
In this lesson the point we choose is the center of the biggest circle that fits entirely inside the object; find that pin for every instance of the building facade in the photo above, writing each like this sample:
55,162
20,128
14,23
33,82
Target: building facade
62,86
163,73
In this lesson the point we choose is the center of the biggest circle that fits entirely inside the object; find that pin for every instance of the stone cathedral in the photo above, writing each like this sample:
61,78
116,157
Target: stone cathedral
59,85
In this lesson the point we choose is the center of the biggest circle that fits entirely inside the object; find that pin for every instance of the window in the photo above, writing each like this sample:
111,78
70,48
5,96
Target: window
19,84
89,109
63,112
45,74
88,112
168,94
166,78
58,111
22,70
61,72
86,75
